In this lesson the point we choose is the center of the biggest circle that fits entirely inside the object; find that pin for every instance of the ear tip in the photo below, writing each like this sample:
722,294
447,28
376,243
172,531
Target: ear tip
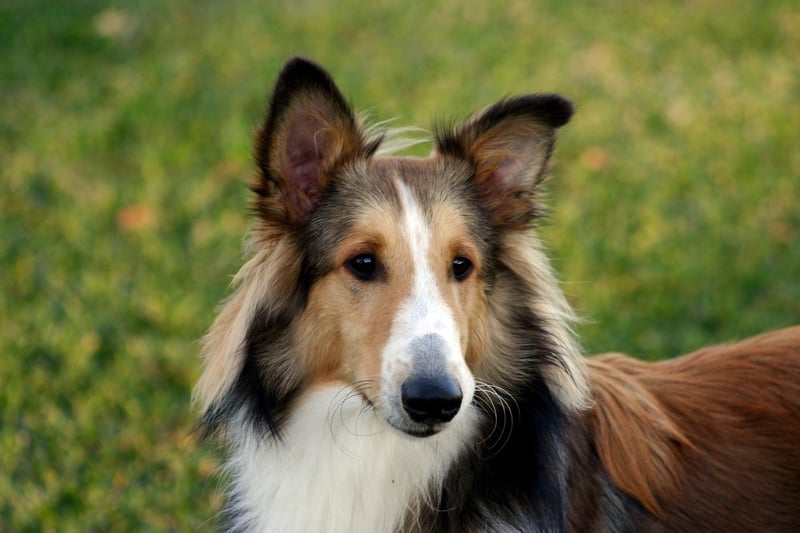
299,64
298,71
554,109
548,109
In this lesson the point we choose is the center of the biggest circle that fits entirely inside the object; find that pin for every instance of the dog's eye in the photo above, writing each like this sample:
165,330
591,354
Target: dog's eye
363,266
461,268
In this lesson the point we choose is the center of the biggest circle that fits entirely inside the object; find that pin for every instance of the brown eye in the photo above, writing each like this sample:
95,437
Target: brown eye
363,266
461,268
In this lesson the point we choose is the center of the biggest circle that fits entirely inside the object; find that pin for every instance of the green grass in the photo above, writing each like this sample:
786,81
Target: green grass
125,151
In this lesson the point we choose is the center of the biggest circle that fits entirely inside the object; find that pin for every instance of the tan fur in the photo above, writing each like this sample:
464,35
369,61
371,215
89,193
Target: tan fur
347,323
709,429
450,240
523,254
259,284
641,447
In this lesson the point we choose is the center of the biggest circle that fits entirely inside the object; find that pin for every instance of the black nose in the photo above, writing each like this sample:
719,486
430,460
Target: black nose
431,400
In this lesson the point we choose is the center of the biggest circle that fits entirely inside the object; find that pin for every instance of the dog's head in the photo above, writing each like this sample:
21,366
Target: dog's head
402,278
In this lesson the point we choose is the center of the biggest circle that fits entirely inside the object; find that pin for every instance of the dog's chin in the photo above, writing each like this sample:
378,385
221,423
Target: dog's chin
419,431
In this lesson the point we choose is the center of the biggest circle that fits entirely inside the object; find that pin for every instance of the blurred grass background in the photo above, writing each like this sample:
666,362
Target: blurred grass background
125,152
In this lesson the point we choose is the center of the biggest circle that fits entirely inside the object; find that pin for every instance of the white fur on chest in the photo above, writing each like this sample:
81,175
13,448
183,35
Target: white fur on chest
338,468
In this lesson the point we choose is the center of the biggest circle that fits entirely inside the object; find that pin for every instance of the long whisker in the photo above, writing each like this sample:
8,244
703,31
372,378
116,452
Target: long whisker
339,419
504,411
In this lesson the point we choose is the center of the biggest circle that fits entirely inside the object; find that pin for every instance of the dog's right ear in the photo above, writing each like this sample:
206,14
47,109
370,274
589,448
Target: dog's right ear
308,131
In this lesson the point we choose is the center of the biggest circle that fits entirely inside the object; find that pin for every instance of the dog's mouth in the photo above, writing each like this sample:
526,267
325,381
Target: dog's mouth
401,420
419,431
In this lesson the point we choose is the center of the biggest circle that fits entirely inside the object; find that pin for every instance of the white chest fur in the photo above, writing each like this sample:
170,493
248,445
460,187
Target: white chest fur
338,468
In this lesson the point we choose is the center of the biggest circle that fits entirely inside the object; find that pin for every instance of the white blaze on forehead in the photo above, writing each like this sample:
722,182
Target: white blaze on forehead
424,311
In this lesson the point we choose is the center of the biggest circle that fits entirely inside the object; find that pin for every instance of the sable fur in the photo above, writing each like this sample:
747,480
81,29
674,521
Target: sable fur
549,441
709,441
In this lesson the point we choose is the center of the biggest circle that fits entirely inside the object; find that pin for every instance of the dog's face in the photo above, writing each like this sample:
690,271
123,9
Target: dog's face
396,258
397,303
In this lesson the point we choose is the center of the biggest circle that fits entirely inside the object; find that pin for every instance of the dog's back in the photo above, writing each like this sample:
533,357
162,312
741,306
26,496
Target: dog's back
705,442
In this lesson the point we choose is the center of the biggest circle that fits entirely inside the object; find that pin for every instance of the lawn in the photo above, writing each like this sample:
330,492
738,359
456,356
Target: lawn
125,153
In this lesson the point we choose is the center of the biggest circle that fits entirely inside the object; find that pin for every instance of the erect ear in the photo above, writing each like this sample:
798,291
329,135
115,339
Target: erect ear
509,146
308,131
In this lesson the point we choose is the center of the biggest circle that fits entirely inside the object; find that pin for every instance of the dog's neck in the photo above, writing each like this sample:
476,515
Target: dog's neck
337,467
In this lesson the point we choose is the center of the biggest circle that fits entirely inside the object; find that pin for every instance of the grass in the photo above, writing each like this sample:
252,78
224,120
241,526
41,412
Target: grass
125,150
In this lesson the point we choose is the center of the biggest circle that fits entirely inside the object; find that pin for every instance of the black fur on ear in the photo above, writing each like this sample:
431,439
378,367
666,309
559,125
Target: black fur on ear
309,130
509,146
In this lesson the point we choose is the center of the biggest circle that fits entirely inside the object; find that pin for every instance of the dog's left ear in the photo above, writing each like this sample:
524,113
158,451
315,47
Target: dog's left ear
308,131
509,146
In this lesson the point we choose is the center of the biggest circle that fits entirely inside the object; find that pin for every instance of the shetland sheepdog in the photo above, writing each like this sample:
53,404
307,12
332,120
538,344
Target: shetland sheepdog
397,354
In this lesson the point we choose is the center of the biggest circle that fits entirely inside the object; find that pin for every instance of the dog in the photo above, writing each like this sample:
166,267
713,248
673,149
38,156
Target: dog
397,354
